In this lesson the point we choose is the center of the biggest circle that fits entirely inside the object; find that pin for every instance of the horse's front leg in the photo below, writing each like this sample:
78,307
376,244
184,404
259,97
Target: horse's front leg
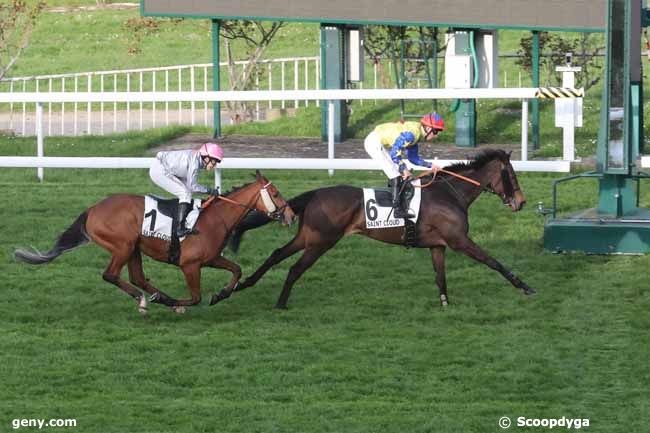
468,247
223,263
438,260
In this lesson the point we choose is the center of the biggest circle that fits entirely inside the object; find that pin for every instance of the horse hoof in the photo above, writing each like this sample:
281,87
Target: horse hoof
215,299
236,287
529,291
281,306
178,310
143,311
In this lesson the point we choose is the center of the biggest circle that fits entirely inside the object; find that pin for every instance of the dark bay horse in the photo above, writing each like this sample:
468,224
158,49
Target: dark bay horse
328,214
115,224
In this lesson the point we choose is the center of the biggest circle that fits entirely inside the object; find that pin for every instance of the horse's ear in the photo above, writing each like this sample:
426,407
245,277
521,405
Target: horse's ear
509,153
258,175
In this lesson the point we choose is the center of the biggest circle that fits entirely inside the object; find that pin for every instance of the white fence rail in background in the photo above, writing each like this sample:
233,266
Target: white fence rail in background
299,73
272,95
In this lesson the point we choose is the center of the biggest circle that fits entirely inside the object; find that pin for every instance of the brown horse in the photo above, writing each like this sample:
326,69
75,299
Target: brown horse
328,214
115,222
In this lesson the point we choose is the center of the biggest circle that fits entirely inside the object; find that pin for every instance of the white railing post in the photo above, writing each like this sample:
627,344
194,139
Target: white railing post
115,104
153,105
63,108
205,89
295,80
39,138
283,105
192,104
141,106
89,107
167,102
128,104
11,107
524,130
180,88
101,105
76,105
49,111
306,81
24,108
270,78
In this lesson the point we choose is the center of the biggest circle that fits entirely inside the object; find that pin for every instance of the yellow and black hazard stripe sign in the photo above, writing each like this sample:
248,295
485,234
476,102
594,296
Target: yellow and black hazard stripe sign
559,92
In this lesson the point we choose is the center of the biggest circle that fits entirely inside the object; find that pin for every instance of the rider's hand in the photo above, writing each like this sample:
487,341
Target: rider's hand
406,174
213,191
435,168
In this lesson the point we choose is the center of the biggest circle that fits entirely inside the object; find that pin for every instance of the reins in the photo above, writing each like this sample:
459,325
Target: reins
451,173
209,201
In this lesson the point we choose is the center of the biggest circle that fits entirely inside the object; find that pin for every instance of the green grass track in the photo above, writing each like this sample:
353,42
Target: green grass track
364,346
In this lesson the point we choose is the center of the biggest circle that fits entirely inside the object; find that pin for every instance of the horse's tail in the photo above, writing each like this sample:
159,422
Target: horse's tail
256,219
73,237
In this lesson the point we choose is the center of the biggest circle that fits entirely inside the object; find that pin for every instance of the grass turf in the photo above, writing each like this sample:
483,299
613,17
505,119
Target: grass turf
363,347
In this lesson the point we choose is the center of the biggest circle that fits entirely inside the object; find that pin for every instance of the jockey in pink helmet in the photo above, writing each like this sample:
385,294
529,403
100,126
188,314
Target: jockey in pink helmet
177,172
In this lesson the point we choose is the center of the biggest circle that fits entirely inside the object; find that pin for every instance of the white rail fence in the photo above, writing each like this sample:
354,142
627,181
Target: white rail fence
90,117
298,73
330,163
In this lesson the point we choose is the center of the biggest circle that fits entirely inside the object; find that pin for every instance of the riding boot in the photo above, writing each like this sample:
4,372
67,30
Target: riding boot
183,211
398,210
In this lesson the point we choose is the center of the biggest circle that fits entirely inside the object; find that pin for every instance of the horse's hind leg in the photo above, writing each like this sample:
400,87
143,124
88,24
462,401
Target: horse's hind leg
137,278
468,247
112,275
438,259
223,263
192,274
309,257
293,246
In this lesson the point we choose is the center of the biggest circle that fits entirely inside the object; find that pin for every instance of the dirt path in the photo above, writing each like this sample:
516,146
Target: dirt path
241,146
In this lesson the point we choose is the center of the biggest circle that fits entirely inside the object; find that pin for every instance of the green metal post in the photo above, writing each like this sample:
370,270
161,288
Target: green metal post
333,77
535,102
216,77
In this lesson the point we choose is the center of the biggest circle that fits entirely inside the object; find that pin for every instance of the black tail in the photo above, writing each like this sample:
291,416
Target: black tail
73,237
256,219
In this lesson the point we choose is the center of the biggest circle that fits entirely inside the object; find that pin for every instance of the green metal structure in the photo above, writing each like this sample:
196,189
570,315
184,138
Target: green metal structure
617,224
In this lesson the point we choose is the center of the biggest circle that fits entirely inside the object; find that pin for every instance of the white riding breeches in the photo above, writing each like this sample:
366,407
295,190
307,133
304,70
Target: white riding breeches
379,153
169,183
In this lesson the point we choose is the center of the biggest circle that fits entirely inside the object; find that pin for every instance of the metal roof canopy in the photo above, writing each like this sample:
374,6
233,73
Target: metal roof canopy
564,15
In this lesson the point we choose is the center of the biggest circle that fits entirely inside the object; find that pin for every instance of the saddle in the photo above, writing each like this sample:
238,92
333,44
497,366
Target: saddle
378,205
161,219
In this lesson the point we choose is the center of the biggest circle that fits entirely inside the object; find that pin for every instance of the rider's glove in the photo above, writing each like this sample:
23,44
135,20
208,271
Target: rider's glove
213,191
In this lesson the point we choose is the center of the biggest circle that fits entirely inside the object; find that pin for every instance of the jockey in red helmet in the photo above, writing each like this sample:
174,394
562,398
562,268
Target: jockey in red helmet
177,172
393,144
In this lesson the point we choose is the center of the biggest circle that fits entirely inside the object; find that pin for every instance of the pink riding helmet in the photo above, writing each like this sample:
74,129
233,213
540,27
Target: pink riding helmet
212,150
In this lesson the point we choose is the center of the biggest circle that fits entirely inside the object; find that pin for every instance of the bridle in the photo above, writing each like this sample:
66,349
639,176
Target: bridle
273,211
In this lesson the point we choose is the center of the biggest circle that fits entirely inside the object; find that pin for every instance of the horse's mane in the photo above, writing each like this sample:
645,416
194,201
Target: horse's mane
479,160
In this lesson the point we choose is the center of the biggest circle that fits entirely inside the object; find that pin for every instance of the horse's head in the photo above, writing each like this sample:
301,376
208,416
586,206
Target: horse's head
271,202
503,182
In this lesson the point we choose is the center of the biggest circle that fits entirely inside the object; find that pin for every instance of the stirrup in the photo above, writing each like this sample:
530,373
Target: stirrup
186,232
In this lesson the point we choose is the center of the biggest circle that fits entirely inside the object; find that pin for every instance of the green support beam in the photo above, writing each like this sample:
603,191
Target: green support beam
535,102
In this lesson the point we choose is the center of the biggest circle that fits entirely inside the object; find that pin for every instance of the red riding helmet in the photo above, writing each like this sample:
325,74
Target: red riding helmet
433,120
